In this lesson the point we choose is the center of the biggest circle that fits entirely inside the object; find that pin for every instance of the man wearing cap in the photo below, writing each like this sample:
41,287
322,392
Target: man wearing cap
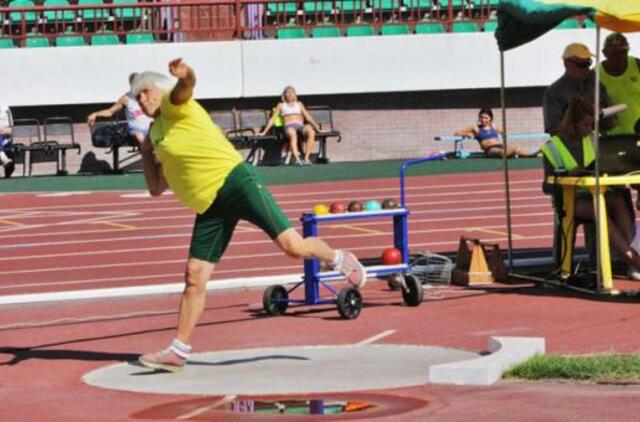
577,81
620,74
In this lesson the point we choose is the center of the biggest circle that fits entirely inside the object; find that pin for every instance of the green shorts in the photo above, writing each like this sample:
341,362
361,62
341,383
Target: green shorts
242,197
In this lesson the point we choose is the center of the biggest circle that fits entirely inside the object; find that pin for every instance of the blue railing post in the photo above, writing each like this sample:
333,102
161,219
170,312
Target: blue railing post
311,266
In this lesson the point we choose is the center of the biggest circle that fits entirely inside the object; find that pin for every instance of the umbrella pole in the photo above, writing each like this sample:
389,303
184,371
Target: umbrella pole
505,162
596,147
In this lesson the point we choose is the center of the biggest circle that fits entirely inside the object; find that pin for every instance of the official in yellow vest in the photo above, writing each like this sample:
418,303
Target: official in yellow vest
620,74
571,151
187,152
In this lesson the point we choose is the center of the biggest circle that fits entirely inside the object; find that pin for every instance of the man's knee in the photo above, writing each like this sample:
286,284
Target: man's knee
292,244
197,275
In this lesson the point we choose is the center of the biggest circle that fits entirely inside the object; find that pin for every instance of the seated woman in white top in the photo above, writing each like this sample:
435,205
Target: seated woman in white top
138,123
294,115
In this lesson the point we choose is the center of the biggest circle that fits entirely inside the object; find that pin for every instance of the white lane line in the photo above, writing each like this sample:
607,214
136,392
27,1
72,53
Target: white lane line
200,410
214,285
264,255
303,190
169,236
375,338
93,280
103,252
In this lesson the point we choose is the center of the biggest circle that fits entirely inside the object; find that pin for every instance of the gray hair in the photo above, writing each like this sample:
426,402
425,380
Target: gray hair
147,79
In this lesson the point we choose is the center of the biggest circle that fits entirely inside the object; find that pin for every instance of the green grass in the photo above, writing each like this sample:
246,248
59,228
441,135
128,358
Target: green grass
272,175
600,368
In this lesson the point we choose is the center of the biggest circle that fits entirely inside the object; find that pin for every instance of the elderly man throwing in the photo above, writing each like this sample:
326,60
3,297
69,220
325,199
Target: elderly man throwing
188,153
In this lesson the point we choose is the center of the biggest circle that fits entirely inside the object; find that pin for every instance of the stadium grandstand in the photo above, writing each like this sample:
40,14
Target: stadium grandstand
387,75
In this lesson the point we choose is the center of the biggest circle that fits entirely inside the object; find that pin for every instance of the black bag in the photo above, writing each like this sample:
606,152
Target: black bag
111,135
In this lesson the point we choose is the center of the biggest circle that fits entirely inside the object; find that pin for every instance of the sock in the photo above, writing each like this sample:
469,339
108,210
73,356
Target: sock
180,349
337,259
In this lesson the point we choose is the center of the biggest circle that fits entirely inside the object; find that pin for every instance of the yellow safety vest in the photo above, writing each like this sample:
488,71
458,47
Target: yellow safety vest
624,89
560,157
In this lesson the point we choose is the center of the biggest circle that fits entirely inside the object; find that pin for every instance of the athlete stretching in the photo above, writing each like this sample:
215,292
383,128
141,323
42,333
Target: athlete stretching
186,152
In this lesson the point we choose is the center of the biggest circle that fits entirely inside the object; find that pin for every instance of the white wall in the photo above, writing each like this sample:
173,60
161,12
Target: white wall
77,75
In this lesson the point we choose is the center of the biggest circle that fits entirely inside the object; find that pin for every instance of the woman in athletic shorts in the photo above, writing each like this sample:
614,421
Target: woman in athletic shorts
487,136
294,115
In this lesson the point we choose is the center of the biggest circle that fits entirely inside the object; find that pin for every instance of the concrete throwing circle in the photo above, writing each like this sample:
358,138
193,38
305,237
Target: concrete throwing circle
284,370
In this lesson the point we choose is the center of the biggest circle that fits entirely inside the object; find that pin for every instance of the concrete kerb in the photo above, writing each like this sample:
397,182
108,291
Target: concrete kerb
486,370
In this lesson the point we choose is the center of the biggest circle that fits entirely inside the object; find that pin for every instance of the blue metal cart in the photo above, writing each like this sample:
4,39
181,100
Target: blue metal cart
349,300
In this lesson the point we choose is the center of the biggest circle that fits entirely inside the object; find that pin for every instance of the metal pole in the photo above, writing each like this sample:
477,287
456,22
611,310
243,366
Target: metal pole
596,146
505,162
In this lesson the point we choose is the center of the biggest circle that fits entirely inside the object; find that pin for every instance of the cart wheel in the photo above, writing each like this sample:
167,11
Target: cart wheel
412,294
275,300
395,281
349,302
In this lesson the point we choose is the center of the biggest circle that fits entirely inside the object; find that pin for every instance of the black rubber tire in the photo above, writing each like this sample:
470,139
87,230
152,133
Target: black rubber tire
349,302
412,295
272,300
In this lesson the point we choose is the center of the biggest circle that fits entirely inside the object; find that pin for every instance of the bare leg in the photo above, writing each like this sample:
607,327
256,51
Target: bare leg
617,236
296,246
193,297
292,135
310,136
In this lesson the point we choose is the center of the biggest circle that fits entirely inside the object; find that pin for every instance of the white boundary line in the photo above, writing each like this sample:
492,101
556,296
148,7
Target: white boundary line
156,289
375,338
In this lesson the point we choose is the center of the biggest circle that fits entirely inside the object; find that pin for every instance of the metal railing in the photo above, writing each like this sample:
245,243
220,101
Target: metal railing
228,19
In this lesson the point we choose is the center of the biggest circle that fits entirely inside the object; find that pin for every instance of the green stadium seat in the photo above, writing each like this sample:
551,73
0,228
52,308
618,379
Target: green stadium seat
490,26
70,41
421,4
464,27
58,15
317,6
360,31
6,43
288,7
429,28
140,38
385,4
29,17
37,42
104,38
326,32
569,24
290,33
457,4
127,12
92,14
588,23
395,29
351,5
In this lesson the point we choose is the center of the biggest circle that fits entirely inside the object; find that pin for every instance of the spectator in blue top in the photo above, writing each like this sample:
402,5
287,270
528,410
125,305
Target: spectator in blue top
487,136
5,140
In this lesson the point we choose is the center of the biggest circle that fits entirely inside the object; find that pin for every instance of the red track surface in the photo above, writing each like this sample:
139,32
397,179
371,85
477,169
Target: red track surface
46,348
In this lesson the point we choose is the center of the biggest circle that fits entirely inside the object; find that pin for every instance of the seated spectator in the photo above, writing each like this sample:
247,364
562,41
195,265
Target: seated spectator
294,115
5,140
137,122
487,136
571,150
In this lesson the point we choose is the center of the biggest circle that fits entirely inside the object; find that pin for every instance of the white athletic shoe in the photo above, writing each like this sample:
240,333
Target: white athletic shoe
352,269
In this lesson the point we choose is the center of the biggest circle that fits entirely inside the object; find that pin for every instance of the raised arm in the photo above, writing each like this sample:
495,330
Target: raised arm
469,131
107,112
183,91
309,118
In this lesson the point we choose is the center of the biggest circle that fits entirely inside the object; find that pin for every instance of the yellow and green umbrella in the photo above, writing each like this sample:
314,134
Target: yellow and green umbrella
520,21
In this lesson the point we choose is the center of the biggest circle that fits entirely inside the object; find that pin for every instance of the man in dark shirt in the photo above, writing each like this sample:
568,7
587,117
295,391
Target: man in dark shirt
578,81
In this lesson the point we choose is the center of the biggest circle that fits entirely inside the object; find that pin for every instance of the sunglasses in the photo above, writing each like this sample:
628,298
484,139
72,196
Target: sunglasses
582,64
